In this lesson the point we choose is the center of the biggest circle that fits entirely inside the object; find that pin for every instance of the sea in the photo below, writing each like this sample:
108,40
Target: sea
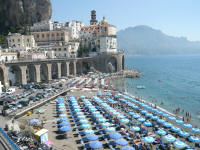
171,82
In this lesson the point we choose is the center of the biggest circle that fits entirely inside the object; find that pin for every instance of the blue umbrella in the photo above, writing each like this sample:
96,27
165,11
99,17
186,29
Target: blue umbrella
95,145
175,129
110,129
64,124
83,121
169,138
141,119
92,137
161,121
79,113
128,148
154,117
101,120
65,129
195,130
96,112
161,132
33,121
187,125
194,139
78,110
179,144
136,116
148,115
121,142
131,113
147,123
179,122
89,131
143,111
149,139
63,119
165,115
167,125
85,126
135,128
81,117
124,120
98,116
63,115
115,135
184,134
105,124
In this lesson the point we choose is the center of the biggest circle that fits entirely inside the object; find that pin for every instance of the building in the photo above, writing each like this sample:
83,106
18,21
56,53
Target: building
92,35
6,56
57,25
47,37
17,40
74,28
46,25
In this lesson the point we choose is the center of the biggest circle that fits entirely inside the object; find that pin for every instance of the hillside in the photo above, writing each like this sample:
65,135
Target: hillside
144,40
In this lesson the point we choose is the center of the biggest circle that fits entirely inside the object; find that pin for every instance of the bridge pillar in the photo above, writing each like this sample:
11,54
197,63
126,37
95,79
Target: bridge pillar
67,68
81,68
6,79
37,68
74,63
49,72
59,70
23,71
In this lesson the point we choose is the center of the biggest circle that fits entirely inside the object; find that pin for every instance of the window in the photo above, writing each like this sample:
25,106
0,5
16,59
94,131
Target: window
42,35
47,35
28,40
18,40
59,49
38,36
13,40
52,35
57,34
62,34
65,49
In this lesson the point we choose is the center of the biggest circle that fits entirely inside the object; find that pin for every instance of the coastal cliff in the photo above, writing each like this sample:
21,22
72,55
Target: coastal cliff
16,13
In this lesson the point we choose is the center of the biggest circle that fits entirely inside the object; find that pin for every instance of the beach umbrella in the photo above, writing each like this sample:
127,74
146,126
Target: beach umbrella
194,139
154,117
63,115
61,109
105,124
65,129
175,129
187,125
89,131
135,128
98,116
183,134
147,123
78,110
96,113
79,113
141,119
95,145
148,115
121,142
128,148
124,120
195,130
120,116
83,126
92,137
165,115
81,117
161,121
82,96
143,111
179,122
136,116
110,129
149,139
76,107
115,135
63,119
159,112
171,118
34,121
82,121
131,113
179,144
101,120
167,125
161,132
169,138
64,124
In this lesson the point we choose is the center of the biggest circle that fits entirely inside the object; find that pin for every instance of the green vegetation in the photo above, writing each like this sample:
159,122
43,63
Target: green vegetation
83,51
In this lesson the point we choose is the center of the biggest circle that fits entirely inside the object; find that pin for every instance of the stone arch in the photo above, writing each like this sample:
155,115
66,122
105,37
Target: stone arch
1,75
44,72
63,69
79,67
123,62
15,75
71,68
86,67
54,70
111,64
31,73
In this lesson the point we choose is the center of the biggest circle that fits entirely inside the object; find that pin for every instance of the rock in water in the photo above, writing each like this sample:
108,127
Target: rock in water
15,13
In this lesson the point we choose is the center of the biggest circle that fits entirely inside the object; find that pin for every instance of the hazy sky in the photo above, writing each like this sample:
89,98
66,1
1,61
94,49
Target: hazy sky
173,17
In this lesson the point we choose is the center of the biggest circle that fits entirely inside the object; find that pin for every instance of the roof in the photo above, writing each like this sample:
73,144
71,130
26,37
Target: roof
41,132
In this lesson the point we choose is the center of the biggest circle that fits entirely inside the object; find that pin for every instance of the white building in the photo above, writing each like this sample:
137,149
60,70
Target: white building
7,56
17,40
108,44
74,28
46,25
57,25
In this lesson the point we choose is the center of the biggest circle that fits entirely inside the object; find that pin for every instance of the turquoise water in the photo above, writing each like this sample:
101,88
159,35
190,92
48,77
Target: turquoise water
170,81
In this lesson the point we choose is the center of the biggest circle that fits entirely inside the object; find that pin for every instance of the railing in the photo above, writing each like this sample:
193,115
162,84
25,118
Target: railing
9,140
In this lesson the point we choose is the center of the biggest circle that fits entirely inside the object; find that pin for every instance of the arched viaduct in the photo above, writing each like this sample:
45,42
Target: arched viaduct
23,72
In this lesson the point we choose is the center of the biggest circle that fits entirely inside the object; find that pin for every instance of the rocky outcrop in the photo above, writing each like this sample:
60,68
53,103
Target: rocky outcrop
15,13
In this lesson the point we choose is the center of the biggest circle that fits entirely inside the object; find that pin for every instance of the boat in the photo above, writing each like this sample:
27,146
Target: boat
140,87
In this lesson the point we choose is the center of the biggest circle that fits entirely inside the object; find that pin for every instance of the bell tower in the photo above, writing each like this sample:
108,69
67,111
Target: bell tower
93,20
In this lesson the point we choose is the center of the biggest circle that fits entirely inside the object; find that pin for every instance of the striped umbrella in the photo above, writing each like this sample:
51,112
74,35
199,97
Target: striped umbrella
179,122
149,139
183,134
194,139
169,138
161,132
175,129
180,144
135,128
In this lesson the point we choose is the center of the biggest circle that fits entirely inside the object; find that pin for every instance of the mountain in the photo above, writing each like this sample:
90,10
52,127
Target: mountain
17,13
144,40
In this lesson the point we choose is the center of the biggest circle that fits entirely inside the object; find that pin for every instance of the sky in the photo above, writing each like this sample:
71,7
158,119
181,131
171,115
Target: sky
180,18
